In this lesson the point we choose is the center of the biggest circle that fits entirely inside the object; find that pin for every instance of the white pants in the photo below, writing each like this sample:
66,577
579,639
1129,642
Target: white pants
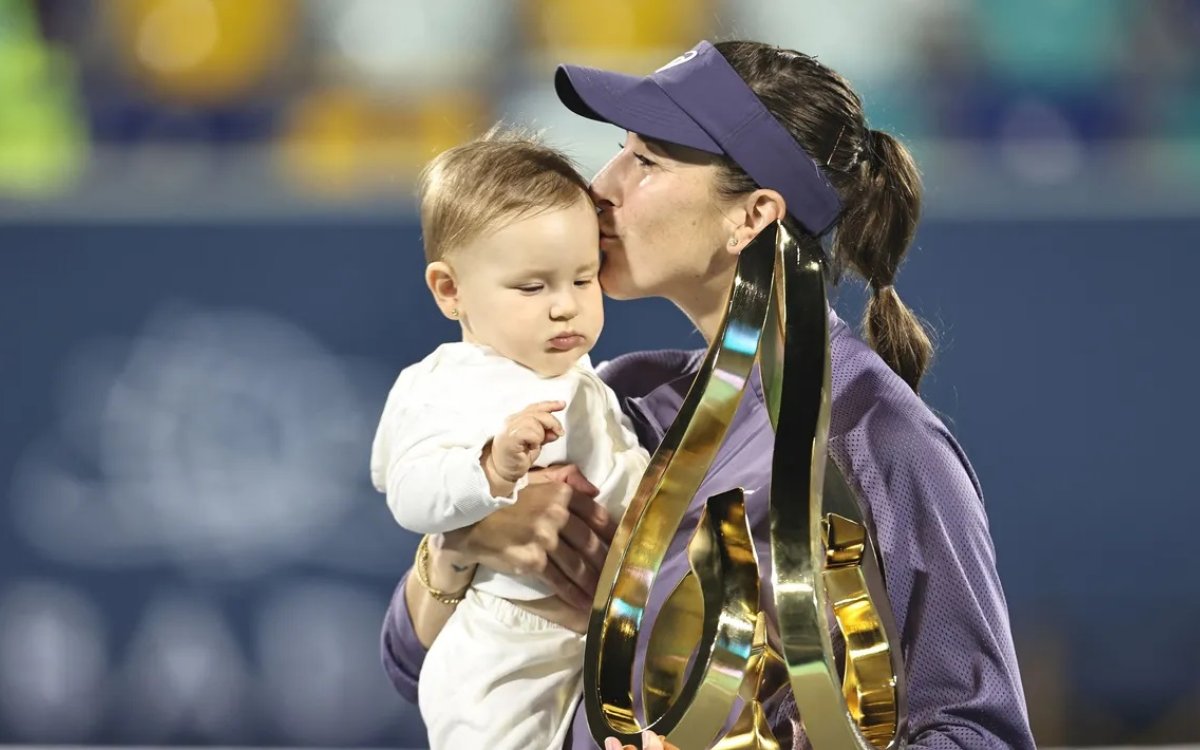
500,678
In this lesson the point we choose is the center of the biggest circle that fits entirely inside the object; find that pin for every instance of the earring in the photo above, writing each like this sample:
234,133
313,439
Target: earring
733,241
454,313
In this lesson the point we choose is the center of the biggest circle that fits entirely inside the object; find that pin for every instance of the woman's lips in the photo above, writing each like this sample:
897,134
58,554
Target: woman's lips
566,342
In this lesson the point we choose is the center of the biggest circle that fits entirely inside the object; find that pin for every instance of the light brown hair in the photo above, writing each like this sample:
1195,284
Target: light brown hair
873,173
503,176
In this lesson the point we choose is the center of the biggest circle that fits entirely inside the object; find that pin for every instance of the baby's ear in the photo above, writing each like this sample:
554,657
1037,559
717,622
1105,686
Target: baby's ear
443,285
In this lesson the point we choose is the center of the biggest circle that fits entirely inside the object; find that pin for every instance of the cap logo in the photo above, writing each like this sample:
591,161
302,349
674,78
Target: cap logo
679,60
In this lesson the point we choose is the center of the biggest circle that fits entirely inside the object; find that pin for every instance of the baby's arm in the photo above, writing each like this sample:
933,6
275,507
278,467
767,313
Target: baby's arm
440,475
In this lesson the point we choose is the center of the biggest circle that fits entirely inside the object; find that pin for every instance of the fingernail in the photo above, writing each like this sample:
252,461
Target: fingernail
612,743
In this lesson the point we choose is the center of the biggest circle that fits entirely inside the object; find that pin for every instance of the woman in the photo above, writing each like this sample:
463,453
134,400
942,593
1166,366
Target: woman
722,142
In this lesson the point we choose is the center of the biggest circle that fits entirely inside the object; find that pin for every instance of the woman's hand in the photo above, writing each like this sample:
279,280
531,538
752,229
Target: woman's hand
555,531
650,741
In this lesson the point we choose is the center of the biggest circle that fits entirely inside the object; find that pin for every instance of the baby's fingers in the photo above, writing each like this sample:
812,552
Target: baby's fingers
528,434
544,407
552,426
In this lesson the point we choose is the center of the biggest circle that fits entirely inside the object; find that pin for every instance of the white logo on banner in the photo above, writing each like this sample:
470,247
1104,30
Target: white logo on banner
52,663
228,442
232,446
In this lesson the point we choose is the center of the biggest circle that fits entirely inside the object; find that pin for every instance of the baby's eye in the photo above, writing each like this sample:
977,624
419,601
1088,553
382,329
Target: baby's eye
583,283
530,288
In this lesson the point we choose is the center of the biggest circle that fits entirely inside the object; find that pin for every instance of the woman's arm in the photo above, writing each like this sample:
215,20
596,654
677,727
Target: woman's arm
447,574
964,686
555,531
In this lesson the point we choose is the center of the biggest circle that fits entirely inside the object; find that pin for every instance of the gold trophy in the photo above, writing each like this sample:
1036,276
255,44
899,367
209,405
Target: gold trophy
715,645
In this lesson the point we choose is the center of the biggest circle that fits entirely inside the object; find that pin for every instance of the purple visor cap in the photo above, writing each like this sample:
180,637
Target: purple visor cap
699,100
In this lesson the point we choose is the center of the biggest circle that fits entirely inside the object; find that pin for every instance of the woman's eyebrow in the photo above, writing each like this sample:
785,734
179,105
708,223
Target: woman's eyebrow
662,148
675,151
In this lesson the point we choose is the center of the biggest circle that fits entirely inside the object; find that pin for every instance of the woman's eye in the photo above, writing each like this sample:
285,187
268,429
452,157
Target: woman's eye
642,160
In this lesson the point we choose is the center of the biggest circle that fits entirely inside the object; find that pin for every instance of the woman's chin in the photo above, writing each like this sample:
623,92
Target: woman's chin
618,283
615,284
618,295
622,291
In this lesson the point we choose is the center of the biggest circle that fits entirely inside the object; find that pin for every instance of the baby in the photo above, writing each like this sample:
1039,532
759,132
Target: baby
511,242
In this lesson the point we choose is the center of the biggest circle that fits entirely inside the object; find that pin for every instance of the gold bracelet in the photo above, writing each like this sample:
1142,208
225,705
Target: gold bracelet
421,564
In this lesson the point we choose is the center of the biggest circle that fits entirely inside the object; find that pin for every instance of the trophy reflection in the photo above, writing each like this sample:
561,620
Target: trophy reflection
715,646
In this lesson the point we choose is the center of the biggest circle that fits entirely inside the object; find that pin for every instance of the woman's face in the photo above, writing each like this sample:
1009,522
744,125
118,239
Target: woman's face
663,230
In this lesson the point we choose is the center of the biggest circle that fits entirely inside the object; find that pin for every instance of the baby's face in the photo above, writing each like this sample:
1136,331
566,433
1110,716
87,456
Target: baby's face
530,292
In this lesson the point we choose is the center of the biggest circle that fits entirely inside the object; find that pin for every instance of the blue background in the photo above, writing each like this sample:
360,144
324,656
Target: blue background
1066,363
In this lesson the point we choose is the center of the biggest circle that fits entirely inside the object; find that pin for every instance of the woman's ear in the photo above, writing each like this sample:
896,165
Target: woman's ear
760,209
443,285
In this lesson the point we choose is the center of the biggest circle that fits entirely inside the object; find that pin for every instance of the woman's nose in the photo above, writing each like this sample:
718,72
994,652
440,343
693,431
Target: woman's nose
604,189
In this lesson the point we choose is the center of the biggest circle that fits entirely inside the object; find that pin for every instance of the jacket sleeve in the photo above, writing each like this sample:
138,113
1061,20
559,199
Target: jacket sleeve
964,686
400,649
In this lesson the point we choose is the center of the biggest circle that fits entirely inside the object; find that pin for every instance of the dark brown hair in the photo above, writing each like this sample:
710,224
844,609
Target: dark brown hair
873,173
504,175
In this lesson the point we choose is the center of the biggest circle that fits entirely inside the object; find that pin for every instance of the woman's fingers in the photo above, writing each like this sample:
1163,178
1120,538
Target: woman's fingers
582,540
597,518
570,475
544,554
565,588
555,531
650,741
582,577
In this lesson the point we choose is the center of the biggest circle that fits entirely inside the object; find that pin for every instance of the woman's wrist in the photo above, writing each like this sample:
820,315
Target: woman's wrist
449,565
442,578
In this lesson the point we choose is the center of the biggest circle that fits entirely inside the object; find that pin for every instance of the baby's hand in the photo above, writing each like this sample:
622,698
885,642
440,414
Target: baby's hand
520,441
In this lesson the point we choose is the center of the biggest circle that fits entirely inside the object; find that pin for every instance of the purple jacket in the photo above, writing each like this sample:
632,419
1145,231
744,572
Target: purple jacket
964,690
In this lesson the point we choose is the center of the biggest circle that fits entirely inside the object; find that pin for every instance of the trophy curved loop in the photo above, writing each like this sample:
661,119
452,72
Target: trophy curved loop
709,644
823,555
649,524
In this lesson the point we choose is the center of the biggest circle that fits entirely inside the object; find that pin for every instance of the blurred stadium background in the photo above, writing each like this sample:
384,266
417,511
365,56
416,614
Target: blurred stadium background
210,273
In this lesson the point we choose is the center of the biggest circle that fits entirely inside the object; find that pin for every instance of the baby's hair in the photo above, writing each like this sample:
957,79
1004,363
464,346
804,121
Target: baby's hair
505,175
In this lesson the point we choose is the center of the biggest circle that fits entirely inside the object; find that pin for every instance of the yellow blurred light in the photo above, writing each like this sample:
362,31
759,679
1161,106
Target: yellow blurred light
319,145
202,51
177,35
341,143
624,34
